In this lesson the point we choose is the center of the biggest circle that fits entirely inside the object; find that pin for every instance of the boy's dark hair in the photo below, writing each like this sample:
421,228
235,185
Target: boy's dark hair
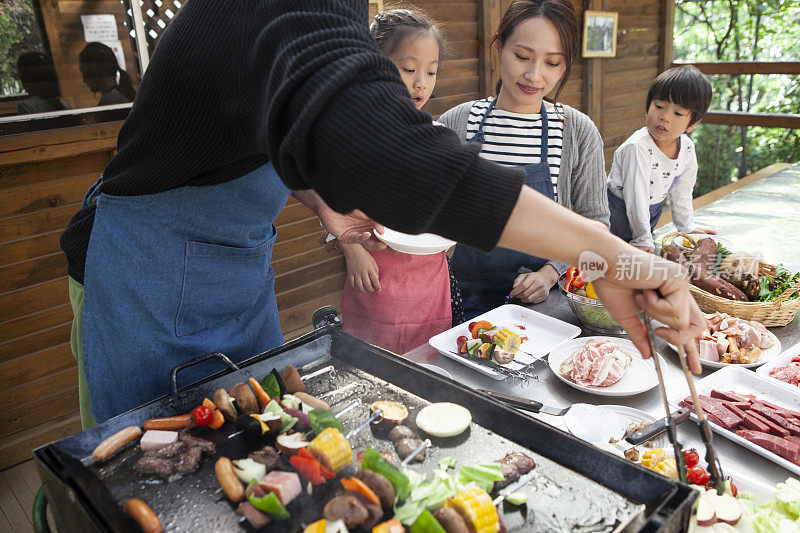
38,75
685,86
390,27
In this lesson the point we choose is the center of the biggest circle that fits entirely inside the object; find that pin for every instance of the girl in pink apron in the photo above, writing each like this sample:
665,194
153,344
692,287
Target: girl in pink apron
393,300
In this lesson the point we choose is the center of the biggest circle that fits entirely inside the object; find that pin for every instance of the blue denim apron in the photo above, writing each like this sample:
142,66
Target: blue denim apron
485,279
620,226
174,275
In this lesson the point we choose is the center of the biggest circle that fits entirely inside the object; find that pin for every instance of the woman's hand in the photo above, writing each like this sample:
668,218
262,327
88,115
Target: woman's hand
533,287
362,270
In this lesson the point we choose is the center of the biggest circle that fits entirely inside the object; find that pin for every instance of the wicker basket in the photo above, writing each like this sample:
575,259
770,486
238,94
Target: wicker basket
778,312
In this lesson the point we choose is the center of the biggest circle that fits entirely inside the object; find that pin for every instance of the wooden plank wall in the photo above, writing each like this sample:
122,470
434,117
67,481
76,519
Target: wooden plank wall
43,178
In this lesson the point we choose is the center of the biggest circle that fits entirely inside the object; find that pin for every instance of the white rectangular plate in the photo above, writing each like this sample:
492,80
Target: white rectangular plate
743,381
782,360
540,334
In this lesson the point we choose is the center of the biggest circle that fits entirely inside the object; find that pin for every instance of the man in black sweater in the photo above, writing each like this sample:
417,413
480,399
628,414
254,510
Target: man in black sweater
236,85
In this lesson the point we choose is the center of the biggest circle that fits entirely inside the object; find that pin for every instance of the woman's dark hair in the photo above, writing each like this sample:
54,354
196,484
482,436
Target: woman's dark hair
392,26
685,86
560,13
101,61
38,75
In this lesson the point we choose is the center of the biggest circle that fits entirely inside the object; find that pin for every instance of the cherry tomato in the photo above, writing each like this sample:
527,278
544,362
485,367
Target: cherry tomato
202,415
471,324
734,490
460,341
698,476
692,457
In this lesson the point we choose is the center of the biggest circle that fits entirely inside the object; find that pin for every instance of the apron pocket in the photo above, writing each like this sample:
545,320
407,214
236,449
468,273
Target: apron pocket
221,282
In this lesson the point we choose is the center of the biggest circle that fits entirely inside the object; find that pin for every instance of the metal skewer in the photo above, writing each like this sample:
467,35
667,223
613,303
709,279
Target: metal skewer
425,445
316,373
680,460
374,416
337,391
524,480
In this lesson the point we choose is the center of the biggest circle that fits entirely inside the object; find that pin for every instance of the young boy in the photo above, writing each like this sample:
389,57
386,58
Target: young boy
659,159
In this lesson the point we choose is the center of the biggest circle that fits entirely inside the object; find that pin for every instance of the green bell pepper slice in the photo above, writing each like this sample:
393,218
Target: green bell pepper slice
373,461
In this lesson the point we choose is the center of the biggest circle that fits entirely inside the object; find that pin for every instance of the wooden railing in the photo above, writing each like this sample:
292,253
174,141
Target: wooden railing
737,68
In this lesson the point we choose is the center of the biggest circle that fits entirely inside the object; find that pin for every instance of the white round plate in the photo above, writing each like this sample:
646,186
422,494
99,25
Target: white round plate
599,423
639,377
727,243
766,356
443,419
422,244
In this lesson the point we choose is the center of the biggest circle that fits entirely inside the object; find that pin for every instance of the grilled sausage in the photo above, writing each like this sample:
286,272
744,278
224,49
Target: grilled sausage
143,515
402,432
227,479
311,401
169,423
408,445
116,442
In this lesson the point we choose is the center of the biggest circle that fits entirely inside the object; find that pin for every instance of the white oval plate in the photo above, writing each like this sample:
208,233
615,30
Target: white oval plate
766,356
639,377
596,429
422,244
443,419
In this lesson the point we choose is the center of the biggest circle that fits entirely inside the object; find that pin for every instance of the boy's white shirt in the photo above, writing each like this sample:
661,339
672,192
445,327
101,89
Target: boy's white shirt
641,174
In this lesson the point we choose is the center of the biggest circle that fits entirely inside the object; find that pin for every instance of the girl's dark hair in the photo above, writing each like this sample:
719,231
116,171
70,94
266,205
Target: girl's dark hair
392,26
685,86
38,75
100,59
560,13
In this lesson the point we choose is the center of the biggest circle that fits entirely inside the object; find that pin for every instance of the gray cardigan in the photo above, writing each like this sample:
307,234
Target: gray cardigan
582,174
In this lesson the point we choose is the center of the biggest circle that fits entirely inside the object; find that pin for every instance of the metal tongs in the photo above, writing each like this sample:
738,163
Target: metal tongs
714,468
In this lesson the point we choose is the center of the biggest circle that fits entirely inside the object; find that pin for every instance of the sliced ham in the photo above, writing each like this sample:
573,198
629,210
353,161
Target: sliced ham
154,439
782,447
285,485
708,350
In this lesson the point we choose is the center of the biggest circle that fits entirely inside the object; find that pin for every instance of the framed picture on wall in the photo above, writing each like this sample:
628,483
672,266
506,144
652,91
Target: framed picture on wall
600,34
375,7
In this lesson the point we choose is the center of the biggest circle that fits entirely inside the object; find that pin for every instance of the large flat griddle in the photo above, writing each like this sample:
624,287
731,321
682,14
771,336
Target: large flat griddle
577,488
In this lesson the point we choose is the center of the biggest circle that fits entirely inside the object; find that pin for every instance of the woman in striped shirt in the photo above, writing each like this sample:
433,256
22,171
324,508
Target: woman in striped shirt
559,147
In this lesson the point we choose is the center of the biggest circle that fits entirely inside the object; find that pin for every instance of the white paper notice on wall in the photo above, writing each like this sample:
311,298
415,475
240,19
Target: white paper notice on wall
99,28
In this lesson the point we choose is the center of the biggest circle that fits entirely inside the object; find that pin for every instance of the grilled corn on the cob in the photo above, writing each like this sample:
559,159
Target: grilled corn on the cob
507,340
477,510
331,449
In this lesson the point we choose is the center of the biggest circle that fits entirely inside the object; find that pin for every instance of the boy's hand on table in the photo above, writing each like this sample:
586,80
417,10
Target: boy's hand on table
533,287
705,231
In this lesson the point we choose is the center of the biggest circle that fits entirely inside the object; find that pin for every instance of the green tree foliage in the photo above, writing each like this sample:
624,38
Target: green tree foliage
19,33
742,30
